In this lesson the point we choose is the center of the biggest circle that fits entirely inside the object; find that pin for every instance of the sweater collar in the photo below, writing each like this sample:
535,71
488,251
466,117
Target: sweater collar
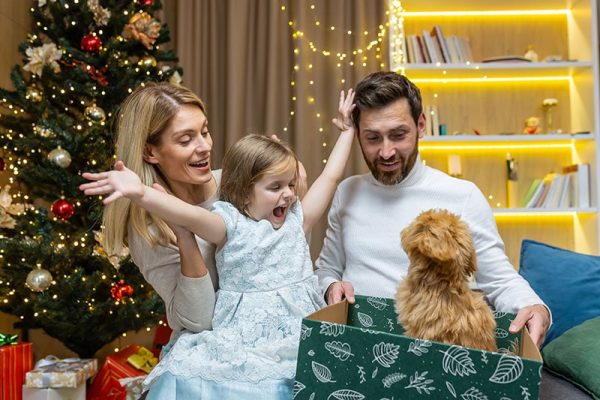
411,179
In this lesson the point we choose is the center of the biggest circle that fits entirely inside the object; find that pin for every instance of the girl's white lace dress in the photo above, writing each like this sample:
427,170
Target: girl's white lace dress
266,286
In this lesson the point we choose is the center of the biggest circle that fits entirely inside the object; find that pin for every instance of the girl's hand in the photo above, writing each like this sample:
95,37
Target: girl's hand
344,120
120,182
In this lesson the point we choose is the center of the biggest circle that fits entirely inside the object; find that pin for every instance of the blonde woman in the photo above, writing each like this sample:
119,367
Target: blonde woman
163,137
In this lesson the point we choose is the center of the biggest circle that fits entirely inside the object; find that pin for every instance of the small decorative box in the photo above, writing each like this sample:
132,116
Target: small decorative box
51,372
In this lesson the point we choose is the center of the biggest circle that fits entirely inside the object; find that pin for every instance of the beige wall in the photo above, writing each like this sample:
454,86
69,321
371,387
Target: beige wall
15,23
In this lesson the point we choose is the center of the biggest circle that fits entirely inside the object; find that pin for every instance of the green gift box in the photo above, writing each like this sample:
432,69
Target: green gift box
357,351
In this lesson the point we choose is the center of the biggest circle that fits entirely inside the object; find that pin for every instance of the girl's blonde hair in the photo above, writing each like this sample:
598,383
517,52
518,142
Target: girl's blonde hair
249,160
141,120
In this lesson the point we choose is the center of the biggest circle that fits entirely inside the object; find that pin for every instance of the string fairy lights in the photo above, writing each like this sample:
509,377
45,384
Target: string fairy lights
309,50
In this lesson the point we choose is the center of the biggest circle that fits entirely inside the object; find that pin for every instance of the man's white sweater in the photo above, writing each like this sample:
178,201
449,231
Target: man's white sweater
362,243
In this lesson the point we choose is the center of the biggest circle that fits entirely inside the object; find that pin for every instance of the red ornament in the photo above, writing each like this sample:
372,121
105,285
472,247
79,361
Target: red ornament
1,164
62,209
120,290
146,3
91,43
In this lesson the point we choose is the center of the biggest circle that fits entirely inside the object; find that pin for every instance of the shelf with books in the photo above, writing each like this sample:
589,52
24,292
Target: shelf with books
485,107
509,71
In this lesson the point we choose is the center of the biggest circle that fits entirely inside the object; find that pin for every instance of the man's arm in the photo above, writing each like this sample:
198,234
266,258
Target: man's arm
332,260
505,288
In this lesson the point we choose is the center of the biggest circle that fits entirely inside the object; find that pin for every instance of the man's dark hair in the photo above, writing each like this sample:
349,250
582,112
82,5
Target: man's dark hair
380,89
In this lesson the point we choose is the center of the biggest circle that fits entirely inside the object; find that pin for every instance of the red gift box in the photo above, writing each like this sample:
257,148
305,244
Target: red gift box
162,336
106,384
15,361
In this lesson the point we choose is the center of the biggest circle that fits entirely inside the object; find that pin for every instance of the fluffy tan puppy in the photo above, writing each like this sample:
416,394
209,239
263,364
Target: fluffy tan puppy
434,301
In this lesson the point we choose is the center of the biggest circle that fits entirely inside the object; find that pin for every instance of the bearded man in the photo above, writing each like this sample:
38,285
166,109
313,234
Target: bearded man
362,253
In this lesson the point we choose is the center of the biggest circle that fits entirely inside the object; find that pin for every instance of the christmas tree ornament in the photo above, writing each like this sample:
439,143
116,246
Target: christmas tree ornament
147,61
60,157
120,290
43,131
38,279
142,27
62,209
146,3
91,43
95,113
34,94
39,57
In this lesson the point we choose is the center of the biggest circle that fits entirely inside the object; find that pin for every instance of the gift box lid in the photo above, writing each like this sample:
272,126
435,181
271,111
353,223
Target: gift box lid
55,373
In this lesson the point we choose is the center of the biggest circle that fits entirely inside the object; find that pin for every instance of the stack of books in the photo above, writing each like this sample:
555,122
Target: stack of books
567,189
433,47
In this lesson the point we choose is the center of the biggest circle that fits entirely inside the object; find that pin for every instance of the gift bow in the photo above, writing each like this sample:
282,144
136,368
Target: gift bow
50,360
6,340
143,360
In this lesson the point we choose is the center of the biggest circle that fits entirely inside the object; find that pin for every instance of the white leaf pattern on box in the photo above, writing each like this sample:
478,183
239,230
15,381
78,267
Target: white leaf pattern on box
420,382
377,302
501,333
499,314
457,361
298,386
451,389
346,394
508,370
389,380
385,353
361,374
329,329
339,350
321,372
365,320
305,332
525,393
375,371
419,347
473,394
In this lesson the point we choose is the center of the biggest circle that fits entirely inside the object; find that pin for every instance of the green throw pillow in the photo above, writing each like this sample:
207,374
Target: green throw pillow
575,355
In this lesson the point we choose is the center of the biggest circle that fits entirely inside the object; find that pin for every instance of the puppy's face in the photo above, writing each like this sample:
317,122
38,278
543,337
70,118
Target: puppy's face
441,237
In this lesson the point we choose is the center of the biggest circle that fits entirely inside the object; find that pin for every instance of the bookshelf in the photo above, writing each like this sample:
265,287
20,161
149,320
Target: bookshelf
484,105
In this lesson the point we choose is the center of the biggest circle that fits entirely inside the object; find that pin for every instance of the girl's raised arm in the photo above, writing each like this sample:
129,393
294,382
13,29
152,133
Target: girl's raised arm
317,199
122,182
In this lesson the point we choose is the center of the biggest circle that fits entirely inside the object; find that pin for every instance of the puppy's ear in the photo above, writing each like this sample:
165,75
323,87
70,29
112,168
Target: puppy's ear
438,244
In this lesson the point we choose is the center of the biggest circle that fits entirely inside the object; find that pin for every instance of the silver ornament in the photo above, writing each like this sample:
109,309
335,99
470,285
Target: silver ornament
39,280
60,157
95,113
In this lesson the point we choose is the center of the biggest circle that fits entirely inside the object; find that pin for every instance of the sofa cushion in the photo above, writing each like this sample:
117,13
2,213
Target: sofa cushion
568,282
575,356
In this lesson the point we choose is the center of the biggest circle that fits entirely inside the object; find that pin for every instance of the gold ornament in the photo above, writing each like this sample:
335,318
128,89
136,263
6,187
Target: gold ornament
34,94
43,131
60,157
39,280
147,61
142,27
95,113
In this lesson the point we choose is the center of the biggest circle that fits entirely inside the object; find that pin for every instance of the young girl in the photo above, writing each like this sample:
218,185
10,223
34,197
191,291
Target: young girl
266,277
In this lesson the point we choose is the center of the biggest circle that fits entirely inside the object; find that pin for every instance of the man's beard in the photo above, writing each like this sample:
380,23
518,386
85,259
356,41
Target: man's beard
397,176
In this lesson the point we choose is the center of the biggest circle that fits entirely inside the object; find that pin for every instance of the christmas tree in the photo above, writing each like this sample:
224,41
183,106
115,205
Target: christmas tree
81,60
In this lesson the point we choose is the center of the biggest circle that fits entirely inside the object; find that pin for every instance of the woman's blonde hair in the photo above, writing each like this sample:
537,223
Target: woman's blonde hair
141,120
247,161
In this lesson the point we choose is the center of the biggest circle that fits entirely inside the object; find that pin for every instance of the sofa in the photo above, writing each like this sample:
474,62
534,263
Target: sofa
569,283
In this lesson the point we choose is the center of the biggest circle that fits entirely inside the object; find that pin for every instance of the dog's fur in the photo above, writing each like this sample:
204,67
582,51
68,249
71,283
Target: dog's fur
434,301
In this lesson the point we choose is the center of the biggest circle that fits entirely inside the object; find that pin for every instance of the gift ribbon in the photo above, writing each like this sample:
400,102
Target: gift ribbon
51,360
6,340
143,360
